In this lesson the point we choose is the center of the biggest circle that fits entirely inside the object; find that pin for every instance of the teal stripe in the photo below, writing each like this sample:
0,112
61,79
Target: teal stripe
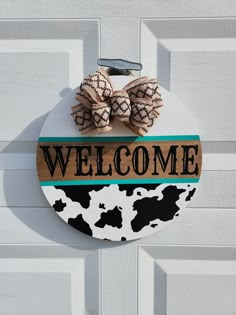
119,181
120,139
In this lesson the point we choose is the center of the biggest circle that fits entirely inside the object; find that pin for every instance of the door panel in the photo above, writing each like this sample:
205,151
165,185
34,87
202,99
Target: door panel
196,60
40,61
186,280
49,280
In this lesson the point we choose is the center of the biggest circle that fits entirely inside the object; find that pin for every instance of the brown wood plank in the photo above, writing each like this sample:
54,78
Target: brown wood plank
124,160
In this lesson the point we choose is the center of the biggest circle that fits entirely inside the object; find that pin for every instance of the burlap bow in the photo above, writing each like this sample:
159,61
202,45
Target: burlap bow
136,104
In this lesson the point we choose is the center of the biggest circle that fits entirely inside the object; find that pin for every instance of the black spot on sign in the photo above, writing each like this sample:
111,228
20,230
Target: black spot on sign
81,225
111,217
59,205
153,225
190,194
150,209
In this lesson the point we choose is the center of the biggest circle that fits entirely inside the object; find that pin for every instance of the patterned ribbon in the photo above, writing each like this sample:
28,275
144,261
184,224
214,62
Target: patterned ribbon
136,104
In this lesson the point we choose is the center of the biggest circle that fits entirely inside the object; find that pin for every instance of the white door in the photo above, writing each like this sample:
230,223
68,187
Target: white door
46,266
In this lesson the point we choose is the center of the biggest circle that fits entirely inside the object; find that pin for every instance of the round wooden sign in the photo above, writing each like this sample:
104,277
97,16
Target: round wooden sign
117,185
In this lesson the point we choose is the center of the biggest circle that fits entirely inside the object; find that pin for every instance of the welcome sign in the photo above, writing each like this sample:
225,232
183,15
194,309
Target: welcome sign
119,186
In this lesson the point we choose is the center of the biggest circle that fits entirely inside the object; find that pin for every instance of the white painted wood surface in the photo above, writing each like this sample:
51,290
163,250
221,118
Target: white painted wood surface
47,267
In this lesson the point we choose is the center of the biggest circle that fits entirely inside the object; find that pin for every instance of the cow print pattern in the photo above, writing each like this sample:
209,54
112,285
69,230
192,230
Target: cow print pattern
119,212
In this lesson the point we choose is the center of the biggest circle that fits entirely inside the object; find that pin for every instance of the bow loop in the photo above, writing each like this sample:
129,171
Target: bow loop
140,117
83,118
95,88
101,116
156,96
137,104
120,105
